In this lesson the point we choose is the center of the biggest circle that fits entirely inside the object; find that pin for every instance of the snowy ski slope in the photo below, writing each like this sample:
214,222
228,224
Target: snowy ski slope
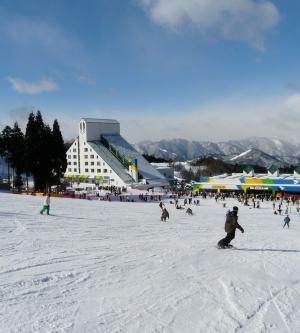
99,266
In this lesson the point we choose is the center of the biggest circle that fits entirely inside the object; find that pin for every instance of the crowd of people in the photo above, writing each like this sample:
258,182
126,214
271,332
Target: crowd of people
193,198
281,205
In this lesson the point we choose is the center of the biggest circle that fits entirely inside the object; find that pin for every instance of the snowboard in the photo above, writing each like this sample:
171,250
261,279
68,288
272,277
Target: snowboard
225,247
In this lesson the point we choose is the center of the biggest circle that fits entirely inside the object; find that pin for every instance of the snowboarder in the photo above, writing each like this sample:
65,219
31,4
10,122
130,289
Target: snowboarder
161,206
286,221
46,206
165,215
231,225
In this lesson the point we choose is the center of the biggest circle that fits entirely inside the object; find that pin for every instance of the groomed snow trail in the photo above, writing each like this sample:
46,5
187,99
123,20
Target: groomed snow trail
96,266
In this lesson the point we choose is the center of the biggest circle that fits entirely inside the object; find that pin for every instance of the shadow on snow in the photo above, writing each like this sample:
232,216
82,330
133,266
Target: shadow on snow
266,250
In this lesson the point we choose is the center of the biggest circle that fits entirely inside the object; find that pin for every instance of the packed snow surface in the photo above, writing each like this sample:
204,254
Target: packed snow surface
96,266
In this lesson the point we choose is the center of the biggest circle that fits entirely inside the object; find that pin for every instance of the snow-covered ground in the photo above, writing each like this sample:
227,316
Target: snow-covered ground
98,266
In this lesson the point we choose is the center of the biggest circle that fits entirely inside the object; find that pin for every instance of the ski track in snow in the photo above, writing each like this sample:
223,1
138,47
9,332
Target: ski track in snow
95,266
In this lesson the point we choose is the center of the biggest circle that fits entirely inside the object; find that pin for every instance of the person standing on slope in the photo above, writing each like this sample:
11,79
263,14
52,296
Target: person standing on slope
161,206
231,224
46,206
286,221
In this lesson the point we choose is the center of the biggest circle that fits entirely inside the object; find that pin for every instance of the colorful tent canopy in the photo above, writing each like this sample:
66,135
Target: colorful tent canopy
291,184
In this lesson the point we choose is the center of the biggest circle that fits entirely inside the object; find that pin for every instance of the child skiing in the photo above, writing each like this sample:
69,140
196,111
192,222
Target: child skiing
286,221
46,206
231,225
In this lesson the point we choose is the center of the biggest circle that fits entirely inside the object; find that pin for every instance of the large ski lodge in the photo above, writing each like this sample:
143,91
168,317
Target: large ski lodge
101,155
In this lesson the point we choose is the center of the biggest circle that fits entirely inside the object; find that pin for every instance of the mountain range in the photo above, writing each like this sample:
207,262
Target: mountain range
254,150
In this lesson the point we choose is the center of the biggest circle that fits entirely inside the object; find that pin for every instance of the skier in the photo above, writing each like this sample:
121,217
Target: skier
46,206
286,221
231,225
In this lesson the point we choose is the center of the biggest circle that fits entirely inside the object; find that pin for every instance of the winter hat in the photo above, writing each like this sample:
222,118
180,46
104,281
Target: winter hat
235,208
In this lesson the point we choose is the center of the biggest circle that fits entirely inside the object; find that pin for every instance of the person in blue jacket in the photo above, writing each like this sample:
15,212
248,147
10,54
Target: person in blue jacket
286,221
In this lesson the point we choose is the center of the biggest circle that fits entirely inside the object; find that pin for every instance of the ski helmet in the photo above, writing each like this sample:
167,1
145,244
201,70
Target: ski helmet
235,208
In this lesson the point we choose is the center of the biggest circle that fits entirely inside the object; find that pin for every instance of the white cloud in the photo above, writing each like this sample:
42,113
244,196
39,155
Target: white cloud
223,121
244,20
33,88
234,119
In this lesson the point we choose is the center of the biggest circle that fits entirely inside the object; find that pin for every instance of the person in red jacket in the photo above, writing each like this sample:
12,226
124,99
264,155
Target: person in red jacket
231,224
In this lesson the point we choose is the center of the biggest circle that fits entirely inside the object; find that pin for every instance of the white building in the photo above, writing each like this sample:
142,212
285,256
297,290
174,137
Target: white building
100,154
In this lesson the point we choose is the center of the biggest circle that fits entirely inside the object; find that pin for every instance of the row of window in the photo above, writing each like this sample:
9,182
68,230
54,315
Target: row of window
90,170
70,170
85,156
85,150
93,163
98,170
86,163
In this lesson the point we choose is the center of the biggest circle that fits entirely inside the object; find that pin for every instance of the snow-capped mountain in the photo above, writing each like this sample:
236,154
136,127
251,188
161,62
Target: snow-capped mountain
260,151
259,157
179,149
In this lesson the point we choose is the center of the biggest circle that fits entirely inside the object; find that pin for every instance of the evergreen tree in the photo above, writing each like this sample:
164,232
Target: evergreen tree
46,158
37,147
30,144
12,149
45,153
59,159
17,152
5,143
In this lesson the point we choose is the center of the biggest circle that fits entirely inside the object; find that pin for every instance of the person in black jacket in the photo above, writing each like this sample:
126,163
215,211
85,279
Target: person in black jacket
164,215
231,224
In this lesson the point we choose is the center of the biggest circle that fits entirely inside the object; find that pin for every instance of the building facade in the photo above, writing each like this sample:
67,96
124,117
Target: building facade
101,155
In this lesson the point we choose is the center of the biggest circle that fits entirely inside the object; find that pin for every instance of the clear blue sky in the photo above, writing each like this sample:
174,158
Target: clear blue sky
179,68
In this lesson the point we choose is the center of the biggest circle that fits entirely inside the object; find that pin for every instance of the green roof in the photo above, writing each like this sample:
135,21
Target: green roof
297,169
273,168
248,169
